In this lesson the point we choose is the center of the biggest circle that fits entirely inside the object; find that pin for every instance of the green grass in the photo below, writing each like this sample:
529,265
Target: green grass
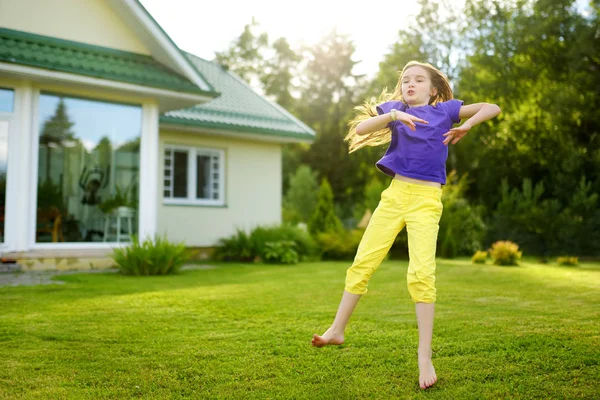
243,331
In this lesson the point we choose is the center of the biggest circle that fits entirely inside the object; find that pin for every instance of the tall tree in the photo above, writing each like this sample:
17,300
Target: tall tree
301,198
435,36
246,54
526,59
539,61
324,218
279,72
55,132
329,91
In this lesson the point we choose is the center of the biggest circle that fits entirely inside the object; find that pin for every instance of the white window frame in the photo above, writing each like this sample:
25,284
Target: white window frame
9,119
193,153
146,174
11,196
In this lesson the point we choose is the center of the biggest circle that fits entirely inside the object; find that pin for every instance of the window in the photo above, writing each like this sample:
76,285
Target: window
194,176
88,169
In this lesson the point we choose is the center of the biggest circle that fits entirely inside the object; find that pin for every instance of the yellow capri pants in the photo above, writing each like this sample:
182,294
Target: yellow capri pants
419,208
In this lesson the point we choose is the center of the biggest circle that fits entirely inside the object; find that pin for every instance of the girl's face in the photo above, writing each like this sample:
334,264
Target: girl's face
416,86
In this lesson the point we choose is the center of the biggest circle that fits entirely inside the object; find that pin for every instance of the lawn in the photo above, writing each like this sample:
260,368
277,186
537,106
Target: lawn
243,331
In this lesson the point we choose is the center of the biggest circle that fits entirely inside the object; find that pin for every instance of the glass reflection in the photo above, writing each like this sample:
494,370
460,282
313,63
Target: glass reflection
88,170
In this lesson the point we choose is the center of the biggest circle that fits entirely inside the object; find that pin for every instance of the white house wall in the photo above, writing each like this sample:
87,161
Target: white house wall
88,21
252,197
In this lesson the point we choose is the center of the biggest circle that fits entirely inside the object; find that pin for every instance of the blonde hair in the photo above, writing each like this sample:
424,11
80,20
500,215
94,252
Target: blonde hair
368,110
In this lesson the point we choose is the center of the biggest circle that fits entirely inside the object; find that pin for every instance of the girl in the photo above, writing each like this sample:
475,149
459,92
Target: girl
417,118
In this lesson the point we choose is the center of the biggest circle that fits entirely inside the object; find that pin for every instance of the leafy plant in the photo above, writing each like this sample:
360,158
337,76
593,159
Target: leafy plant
251,247
570,261
238,247
152,257
121,198
303,242
479,257
340,245
505,252
282,252
461,227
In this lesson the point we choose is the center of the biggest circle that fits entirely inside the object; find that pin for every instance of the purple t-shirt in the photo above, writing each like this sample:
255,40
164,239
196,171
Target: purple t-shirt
419,154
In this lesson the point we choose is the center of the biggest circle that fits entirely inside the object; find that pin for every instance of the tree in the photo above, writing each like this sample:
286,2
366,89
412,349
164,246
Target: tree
55,132
324,218
525,59
245,56
301,198
278,74
539,61
433,36
103,151
329,92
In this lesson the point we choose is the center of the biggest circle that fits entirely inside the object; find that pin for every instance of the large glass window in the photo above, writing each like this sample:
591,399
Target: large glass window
88,170
6,107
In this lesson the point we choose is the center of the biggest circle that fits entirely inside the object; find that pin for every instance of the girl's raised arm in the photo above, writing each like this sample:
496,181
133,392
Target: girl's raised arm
476,114
378,122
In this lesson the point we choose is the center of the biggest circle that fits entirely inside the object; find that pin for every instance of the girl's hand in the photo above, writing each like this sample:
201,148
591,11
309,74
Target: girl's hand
409,120
455,134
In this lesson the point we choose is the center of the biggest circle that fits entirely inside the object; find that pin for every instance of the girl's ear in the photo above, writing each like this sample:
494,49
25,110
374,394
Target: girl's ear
433,92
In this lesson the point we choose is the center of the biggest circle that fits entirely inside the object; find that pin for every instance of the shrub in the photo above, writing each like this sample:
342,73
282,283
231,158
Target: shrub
282,252
152,257
505,253
303,242
479,257
339,246
237,247
524,215
572,261
546,224
290,215
461,227
245,247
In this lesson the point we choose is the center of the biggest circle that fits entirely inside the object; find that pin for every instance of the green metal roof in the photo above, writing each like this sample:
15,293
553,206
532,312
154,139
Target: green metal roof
101,62
238,109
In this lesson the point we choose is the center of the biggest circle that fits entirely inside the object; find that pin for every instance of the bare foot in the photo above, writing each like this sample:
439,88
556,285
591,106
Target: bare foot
328,338
427,376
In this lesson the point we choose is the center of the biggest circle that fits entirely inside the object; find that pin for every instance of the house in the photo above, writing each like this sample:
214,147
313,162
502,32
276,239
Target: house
108,129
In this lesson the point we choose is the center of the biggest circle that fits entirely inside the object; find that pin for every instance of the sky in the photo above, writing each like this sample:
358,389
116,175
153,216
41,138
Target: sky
95,119
203,29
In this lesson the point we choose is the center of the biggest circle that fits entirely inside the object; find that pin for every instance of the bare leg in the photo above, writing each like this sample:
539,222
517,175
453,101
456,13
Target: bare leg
427,375
335,333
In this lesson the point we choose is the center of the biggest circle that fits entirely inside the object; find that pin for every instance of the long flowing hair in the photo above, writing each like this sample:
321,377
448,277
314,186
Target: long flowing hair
368,110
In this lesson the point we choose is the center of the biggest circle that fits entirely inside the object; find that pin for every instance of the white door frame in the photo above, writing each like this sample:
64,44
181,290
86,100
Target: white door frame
12,173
